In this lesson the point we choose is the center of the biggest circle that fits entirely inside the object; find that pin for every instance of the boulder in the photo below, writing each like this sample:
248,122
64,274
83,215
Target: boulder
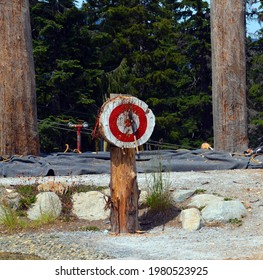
223,211
9,198
202,200
179,196
46,203
90,206
191,219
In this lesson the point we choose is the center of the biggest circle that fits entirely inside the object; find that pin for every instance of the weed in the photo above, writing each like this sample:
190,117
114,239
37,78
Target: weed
10,219
45,218
227,199
89,228
159,197
199,191
28,196
87,188
236,222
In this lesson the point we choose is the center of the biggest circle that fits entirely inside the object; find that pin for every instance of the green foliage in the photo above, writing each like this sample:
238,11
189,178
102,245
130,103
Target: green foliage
236,222
228,199
255,91
27,196
89,228
10,219
160,53
45,218
200,191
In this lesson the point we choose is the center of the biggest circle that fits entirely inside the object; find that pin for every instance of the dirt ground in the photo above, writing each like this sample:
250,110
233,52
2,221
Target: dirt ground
245,185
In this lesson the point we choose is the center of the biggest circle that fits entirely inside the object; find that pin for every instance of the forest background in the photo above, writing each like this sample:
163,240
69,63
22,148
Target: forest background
158,51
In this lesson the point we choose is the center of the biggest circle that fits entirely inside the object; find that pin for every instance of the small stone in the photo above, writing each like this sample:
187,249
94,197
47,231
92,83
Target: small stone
142,199
9,198
13,199
191,219
179,196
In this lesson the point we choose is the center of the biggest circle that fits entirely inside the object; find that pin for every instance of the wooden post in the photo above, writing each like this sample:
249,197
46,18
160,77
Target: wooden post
124,191
18,113
229,75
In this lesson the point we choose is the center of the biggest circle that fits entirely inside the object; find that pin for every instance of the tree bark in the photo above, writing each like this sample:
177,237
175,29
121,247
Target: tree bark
229,75
18,116
124,191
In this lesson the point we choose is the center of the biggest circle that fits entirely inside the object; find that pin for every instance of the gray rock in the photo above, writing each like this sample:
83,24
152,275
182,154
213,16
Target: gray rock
106,191
46,203
191,219
9,198
90,206
179,196
202,200
142,199
223,211
2,212
13,199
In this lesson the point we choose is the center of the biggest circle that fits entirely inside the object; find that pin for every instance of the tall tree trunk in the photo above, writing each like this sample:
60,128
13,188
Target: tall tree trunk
18,113
229,75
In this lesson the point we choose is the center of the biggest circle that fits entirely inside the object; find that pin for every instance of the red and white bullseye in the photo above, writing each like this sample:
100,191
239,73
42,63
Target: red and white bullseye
126,122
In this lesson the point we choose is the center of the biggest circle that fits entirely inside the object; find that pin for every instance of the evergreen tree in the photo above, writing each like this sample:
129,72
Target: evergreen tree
255,79
65,73
166,54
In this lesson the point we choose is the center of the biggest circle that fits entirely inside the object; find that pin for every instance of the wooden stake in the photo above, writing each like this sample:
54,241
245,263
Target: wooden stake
124,191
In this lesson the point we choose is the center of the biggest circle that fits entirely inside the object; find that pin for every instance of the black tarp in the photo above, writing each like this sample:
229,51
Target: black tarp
66,164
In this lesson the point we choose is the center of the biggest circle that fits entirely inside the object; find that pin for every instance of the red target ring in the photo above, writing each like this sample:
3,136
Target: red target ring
126,122
122,111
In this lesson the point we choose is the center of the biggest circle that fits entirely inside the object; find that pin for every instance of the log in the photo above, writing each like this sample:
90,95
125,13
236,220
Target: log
229,75
124,191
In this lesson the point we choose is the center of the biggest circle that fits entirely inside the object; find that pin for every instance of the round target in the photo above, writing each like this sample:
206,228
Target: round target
126,121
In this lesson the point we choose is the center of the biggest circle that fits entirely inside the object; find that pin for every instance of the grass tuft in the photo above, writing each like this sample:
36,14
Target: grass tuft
10,219
159,197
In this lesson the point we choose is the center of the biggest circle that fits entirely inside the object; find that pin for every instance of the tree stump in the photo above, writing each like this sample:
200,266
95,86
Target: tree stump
124,191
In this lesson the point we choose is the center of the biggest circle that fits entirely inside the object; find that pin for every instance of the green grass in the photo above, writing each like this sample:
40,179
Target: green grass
89,228
45,218
200,191
28,196
11,220
159,197
236,222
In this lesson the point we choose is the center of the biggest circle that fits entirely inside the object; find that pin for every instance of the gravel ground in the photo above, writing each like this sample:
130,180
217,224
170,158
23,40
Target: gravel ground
163,242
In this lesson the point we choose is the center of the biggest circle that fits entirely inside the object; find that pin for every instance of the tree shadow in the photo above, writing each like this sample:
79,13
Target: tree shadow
150,219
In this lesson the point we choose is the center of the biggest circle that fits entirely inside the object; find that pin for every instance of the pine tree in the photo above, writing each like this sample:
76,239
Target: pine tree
65,73
255,80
